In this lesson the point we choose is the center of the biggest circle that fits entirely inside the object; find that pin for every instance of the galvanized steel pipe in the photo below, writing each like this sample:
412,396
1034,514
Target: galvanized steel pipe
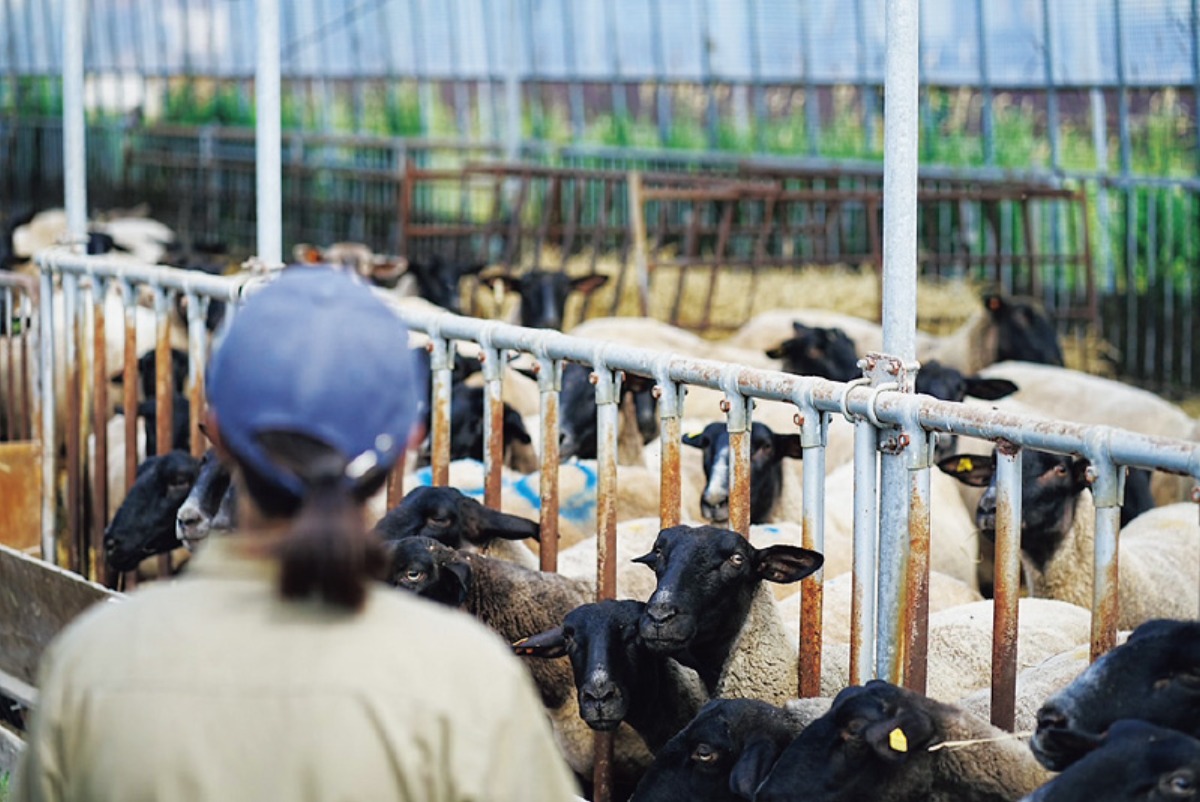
866,554
267,136
74,125
1006,583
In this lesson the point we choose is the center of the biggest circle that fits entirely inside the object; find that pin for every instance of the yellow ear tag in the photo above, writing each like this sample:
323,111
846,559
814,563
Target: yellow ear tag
897,740
965,464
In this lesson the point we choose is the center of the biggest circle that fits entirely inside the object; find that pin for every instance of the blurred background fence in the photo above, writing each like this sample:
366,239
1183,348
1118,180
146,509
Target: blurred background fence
1094,97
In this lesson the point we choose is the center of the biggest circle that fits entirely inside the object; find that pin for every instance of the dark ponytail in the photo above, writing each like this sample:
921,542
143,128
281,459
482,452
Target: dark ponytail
328,553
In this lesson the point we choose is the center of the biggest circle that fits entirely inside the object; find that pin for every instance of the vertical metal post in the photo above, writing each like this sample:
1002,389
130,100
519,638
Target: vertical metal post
441,366
814,426
267,135
197,311
620,107
1051,91
512,84
985,86
1007,585
899,312
608,393
812,106
662,89
493,420
706,76
74,133
99,429
71,363
863,603
756,79
1108,272
737,422
549,378
670,408
916,607
1194,30
865,88
1107,490
420,65
574,89
46,330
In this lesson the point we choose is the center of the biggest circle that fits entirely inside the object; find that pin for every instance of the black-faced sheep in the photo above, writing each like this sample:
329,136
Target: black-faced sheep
713,613
544,294
721,755
1158,552
617,678
1135,762
1154,676
144,524
460,522
886,743
767,451
211,506
515,601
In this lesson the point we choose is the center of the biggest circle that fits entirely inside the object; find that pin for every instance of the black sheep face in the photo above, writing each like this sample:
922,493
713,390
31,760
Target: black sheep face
467,427
1154,676
544,294
144,524
1134,762
814,351
861,747
211,504
721,756
606,654
437,279
1023,331
180,422
577,426
429,569
767,451
449,516
706,579
950,384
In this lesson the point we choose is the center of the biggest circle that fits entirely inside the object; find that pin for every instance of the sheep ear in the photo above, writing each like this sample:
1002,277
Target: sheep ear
788,445
989,389
993,302
1079,467
779,351
786,564
974,470
645,559
509,527
460,574
590,283
757,759
544,644
896,738
514,427
697,439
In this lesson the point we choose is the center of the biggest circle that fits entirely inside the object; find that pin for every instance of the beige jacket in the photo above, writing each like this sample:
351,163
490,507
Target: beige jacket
212,688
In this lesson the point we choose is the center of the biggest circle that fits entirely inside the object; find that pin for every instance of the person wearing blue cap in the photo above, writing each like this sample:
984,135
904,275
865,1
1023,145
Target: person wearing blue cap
276,667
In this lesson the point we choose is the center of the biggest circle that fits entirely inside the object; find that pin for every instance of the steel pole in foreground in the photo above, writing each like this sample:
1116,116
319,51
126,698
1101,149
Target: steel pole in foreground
267,136
901,126
74,132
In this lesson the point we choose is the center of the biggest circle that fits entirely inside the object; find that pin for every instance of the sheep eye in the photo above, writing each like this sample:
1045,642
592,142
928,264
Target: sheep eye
178,485
438,520
414,575
1060,470
704,754
1181,784
737,559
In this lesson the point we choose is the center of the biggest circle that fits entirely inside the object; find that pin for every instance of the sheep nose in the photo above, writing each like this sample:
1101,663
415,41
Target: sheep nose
598,694
661,613
189,517
1051,718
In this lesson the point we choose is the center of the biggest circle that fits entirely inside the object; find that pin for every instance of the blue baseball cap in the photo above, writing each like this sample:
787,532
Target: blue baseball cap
315,353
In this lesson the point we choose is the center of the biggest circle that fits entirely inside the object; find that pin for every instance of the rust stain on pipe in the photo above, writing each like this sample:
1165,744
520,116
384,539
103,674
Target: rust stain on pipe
739,487
493,452
74,479
440,420
917,607
100,432
812,596
164,392
606,501
1005,618
548,489
1107,608
670,495
602,766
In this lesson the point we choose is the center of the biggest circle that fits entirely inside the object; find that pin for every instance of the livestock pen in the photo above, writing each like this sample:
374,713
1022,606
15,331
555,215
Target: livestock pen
893,432
889,602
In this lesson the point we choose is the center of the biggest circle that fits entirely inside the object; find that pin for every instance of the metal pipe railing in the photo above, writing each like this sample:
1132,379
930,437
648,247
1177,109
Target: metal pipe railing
874,409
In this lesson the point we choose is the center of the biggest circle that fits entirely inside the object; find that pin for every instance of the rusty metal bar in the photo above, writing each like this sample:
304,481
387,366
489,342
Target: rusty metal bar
916,627
866,554
441,365
814,426
99,430
130,389
737,421
1007,585
74,499
48,406
197,312
10,418
1107,490
164,390
549,377
608,394
670,408
493,421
